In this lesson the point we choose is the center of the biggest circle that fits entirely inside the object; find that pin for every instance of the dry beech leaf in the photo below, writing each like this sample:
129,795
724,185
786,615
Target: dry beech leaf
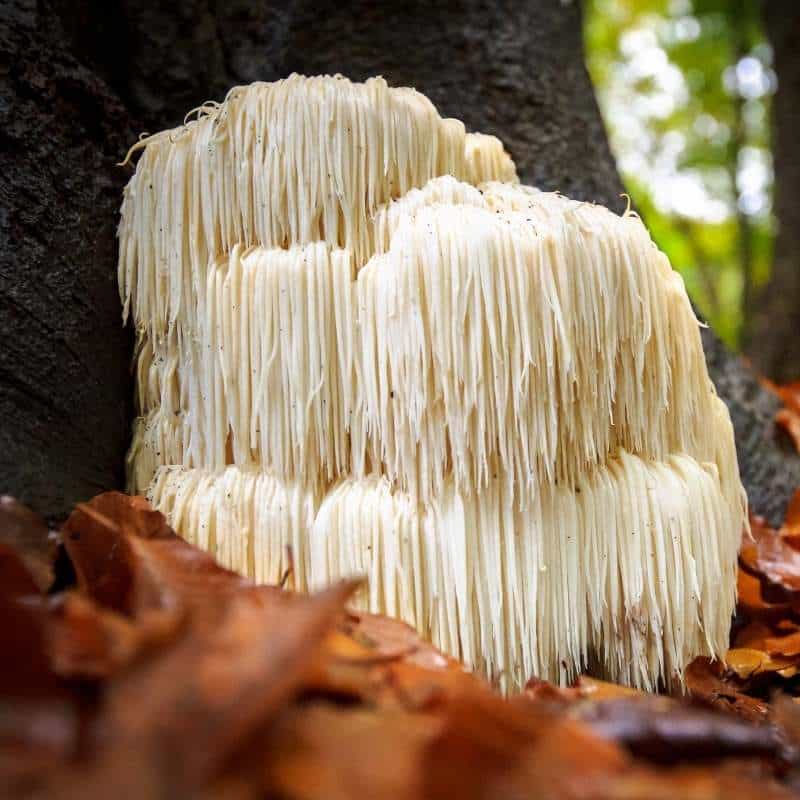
584,688
710,682
792,521
789,393
788,417
595,689
89,642
772,559
751,602
746,663
218,684
27,535
664,730
161,674
788,645
789,420
790,531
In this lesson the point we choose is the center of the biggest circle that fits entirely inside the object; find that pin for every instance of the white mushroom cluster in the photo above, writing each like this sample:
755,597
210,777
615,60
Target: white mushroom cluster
364,349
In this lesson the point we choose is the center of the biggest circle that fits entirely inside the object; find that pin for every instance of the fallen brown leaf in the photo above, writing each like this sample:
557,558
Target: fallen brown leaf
769,557
747,663
161,674
27,535
789,420
664,730
712,683
788,417
751,603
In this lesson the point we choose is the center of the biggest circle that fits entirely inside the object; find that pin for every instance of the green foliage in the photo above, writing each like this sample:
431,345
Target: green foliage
684,86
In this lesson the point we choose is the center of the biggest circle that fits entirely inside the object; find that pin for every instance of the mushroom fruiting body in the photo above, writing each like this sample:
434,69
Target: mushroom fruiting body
364,348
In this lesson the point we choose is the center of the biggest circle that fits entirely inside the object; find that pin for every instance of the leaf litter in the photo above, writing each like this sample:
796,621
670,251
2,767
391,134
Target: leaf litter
134,666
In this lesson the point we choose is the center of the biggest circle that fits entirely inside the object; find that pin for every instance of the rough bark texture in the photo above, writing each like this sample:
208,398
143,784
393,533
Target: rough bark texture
64,358
510,68
769,464
775,344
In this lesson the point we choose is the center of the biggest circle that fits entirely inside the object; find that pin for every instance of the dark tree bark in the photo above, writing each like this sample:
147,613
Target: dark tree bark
774,346
64,358
510,68
514,69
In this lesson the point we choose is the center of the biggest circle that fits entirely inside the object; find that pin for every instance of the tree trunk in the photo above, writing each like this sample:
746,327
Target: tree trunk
514,69
774,345
65,389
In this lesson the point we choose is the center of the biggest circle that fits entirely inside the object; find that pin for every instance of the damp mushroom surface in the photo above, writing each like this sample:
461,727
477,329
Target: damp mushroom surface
363,348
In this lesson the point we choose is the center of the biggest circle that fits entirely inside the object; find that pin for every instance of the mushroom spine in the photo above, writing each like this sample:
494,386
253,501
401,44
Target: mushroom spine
361,342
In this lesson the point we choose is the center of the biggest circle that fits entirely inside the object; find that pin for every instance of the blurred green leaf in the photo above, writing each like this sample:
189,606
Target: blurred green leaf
685,86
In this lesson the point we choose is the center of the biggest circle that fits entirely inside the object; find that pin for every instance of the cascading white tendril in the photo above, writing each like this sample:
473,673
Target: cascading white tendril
364,348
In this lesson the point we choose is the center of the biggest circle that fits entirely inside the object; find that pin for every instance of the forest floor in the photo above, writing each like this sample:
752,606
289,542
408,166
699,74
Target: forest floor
132,665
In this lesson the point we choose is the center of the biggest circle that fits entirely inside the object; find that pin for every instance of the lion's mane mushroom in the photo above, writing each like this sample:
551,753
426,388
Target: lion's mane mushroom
364,348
